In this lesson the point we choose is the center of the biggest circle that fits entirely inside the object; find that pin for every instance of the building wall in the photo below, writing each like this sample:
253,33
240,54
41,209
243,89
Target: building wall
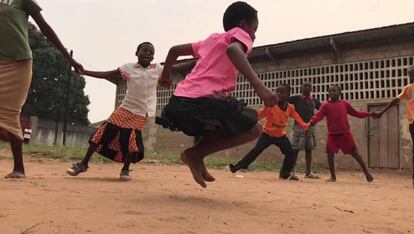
367,75
46,132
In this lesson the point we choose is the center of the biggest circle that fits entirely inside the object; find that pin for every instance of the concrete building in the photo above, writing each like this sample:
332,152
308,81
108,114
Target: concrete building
370,66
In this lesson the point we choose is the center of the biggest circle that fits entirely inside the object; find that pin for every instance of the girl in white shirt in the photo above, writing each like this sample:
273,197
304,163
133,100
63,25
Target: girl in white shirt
119,138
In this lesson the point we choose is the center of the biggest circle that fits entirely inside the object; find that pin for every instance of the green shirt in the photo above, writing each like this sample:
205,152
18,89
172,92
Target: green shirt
14,27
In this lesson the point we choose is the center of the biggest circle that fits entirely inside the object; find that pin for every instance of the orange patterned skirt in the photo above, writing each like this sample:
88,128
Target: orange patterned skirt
120,135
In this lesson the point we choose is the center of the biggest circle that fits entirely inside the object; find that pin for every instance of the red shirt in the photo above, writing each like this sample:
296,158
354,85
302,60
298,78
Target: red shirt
337,116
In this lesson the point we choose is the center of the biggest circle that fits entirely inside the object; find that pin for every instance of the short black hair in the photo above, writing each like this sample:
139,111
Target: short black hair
142,44
285,85
237,12
306,83
338,86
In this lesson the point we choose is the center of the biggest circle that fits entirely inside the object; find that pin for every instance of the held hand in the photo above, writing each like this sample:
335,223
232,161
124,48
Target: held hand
306,128
376,114
77,66
269,98
165,81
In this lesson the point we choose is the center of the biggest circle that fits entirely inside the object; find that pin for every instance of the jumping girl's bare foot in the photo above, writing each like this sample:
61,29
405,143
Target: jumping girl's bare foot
196,167
206,175
15,175
331,179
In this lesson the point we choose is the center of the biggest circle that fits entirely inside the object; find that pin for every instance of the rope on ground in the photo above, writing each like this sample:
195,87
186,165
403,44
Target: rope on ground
344,210
27,230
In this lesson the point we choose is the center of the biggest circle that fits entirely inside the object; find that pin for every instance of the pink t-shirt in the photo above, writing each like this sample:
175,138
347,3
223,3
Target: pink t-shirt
214,73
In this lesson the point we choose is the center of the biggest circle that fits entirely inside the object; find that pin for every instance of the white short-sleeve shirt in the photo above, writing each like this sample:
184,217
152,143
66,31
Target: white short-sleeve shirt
141,94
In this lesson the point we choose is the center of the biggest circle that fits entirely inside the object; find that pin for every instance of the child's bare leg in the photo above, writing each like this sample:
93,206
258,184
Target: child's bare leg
207,176
308,157
361,163
127,161
331,164
4,136
125,169
216,141
89,153
212,143
16,147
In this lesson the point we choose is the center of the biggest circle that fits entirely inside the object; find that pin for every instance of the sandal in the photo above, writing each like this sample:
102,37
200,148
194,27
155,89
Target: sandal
76,169
312,176
124,176
293,177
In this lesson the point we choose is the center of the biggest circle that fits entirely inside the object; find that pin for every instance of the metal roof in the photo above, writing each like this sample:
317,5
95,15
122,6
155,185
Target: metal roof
336,42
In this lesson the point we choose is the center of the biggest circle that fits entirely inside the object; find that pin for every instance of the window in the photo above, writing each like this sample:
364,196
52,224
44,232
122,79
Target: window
381,78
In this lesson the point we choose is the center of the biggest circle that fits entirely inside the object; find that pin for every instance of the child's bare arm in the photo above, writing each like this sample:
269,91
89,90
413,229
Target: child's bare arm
394,102
173,54
184,65
299,120
263,112
319,116
235,51
111,76
52,37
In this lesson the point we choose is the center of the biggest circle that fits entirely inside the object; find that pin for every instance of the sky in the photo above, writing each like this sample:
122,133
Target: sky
105,33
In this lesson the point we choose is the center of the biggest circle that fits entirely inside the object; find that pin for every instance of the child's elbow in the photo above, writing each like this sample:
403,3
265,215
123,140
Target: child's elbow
231,50
174,50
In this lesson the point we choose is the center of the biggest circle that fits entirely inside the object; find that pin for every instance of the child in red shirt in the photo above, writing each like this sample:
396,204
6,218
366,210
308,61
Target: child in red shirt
336,112
274,133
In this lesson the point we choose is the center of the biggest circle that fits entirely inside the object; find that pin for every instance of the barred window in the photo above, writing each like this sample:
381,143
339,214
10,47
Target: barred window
120,94
164,94
359,80
383,78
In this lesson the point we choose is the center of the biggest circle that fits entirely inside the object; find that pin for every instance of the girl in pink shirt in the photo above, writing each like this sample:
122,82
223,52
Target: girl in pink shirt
201,105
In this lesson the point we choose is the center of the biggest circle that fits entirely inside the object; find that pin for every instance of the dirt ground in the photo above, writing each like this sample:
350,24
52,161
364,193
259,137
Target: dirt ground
164,199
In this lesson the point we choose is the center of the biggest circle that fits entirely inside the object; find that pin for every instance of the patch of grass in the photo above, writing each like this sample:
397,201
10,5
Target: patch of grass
62,153
72,154
215,161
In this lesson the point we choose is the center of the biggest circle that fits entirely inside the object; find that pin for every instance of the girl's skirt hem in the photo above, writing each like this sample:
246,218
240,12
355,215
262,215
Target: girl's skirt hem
119,136
200,116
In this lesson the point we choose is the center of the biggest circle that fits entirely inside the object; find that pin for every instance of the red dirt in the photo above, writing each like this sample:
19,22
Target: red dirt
165,199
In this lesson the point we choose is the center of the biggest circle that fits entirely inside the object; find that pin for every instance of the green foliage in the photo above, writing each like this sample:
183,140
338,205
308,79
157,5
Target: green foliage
47,94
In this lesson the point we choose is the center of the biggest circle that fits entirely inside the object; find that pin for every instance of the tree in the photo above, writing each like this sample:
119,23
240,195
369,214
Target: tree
47,94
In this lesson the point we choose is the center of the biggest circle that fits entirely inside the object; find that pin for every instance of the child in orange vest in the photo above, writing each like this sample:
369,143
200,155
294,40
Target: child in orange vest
274,133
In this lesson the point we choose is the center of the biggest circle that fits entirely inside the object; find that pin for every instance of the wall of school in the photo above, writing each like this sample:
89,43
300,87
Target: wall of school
157,139
45,132
368,75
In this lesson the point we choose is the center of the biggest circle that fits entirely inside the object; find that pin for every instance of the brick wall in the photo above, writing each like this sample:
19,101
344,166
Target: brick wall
379,70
